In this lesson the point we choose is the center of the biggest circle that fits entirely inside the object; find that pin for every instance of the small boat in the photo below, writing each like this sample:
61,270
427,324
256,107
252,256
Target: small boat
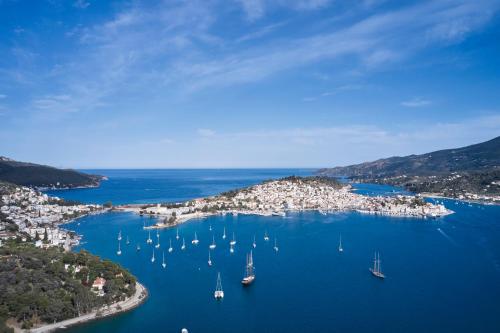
120,235
341,249
233,241
213,246
276,245
164,264
231,248
224,234
254,244
157,233
153,257
376,270
128,241
266,237
119,252
210,227
219,293
209,259
149,241
177,234
170,248
249,271
195,241
183,247
157,241
138,247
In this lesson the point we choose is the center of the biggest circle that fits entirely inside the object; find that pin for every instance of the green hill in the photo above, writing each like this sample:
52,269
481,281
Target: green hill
30,174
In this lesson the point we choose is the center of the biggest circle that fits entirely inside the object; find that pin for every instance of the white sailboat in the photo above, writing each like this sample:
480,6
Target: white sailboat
153,257
120,235
210,227
233,241
341,249
157,233
231,248
170,248
276,245
177,234
376,270
224,234
195,241
266,237
219,293
149,241
213,246
249,271
157,241
209,259
164,264
183,247
119,252
128,241
254,244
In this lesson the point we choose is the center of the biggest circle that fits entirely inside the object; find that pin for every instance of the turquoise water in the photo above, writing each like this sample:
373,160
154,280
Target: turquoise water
442,275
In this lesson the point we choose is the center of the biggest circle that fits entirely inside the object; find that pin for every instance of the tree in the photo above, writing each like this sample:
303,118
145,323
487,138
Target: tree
37,236
45,236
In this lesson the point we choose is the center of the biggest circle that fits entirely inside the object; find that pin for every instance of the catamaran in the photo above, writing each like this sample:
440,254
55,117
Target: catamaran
120,235
195,241
170,248
177,234
275,245
119,252
209,259
183,247
157,241
213,246
149,241
376,270
219,293
233,241
266,237
254,244
341,249
153,257
164,264
224,234
249,271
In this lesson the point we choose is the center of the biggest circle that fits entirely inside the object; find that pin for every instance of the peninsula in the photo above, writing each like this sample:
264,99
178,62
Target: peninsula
276,197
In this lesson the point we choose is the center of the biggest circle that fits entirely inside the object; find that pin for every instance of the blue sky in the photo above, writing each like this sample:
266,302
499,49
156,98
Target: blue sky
245,83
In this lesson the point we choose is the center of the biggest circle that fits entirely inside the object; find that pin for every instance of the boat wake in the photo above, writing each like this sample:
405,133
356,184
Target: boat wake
445,235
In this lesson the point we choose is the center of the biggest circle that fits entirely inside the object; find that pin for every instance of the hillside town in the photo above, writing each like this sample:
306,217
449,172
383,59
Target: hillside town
35,217
291,194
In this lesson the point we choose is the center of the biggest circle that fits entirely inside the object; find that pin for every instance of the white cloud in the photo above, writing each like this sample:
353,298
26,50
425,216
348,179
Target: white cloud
206,132
416,103
81,4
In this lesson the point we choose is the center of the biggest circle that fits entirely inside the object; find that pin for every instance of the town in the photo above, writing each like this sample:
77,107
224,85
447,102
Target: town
276,197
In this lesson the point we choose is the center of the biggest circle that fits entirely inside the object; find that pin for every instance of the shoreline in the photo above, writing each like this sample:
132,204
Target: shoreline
140,296
440,196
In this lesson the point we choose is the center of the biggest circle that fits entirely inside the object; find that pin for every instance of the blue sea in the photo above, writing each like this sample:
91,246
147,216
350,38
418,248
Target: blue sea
442,275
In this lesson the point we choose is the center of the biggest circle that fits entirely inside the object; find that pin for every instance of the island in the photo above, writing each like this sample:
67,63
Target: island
276,197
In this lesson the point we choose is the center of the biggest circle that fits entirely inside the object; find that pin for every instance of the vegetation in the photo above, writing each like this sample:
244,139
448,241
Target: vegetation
30,174
47,285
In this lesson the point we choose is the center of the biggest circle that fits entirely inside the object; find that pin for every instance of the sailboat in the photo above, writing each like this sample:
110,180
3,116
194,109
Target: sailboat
233,241
209,259
138,247
266,237
275,245
210,227
120,235
164,264
157,241
119,252
231,248
224,234
376,271
128,241
254,244
170,249
153,257
183,247
219,293
177,235
213,246
157,234
341,249
149,241
249,271
195,241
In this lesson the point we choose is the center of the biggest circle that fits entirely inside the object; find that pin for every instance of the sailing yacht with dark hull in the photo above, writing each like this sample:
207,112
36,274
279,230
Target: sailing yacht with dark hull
376,270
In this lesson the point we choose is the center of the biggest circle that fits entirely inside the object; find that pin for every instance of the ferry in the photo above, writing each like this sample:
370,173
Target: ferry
376,270
218,293
249,271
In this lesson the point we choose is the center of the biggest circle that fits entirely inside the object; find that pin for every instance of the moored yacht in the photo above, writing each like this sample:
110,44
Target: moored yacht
149,241
341,249
219,293
195,241
119,252
249,271
164,264
209,259
170,248
213,246
254,244
276,245
177,234
153,257
183,247
233,241
376,270
266,237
